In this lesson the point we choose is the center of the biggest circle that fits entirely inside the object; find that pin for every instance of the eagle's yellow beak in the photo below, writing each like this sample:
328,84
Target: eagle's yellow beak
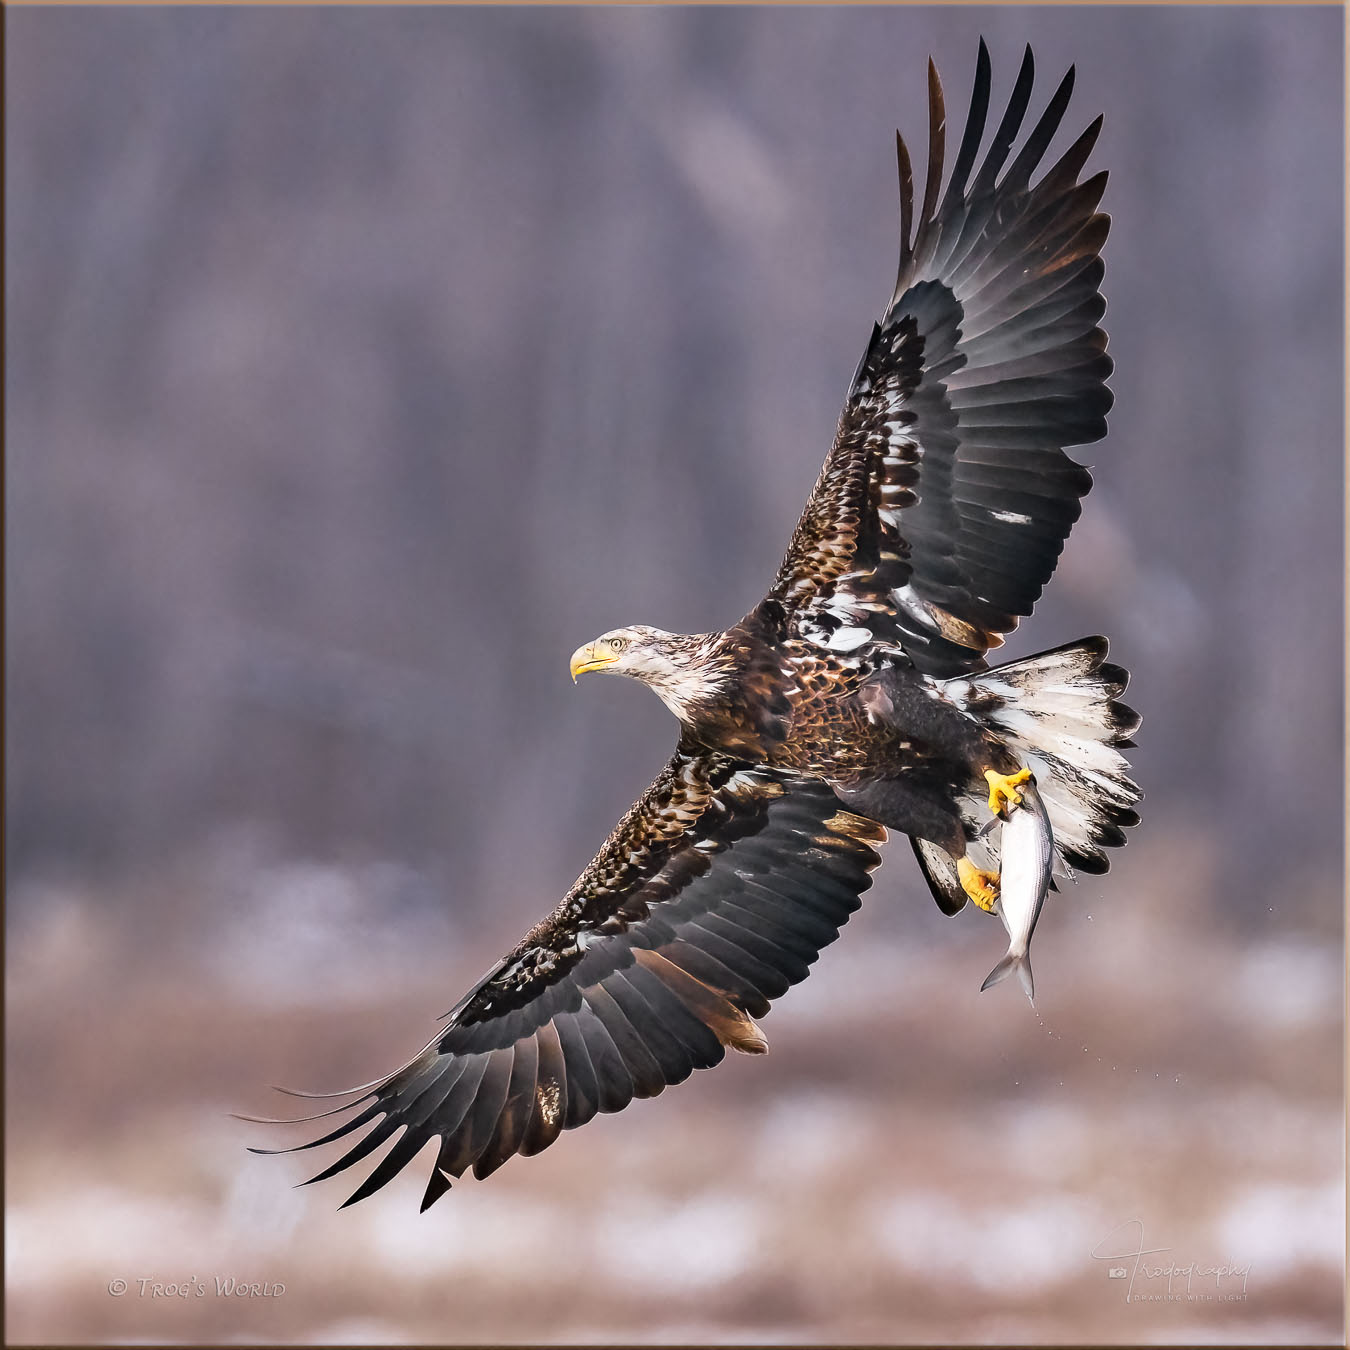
593,656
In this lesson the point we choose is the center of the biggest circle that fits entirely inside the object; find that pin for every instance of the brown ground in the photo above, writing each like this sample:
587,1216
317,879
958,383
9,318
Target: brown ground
912,1162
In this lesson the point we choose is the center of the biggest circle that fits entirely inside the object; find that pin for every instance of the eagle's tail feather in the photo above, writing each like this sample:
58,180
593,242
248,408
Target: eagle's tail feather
1060,714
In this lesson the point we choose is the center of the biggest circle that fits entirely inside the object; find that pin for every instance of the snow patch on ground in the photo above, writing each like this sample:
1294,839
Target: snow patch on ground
1033,1245
1279,1228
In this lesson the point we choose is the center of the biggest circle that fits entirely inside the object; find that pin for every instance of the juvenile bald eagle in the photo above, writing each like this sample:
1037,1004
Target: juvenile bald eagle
854,699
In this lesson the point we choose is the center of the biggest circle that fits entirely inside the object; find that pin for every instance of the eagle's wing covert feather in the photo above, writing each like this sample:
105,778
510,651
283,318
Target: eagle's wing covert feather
713,895
943,506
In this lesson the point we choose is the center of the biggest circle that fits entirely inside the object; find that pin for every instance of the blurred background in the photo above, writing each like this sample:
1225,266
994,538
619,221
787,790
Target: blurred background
363,363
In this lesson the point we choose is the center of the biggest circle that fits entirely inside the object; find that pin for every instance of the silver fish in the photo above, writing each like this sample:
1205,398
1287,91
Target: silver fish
1027,851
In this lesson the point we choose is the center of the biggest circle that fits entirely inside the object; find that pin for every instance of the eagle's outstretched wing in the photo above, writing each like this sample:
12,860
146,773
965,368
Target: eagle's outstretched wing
714,894
945,501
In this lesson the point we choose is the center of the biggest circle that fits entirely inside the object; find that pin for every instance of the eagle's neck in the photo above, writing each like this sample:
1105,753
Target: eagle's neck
726,689
695,680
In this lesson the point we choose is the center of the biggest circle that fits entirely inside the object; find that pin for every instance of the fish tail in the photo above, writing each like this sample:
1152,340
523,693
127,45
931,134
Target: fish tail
1021,964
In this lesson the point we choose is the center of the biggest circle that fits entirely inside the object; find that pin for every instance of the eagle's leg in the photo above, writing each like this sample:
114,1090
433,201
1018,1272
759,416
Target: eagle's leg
1003,789
981,886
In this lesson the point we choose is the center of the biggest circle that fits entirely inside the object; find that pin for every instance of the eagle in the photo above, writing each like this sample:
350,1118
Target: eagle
853,700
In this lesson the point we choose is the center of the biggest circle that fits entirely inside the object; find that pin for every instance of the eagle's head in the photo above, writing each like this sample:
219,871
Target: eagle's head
683,669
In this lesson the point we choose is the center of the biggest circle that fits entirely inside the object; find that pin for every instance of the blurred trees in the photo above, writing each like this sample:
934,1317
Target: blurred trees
362,363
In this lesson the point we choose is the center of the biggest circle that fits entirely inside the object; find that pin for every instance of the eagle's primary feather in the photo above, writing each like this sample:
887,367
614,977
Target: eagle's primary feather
855,698
943,505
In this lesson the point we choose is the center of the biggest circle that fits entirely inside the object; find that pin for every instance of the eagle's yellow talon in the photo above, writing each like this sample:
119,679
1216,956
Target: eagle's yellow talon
982,887
1003,788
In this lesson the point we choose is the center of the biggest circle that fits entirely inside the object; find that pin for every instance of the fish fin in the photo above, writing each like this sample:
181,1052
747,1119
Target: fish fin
1024,976
1021,964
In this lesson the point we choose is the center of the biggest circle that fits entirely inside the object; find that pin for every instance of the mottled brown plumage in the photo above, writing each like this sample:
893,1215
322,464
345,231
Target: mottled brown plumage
852,700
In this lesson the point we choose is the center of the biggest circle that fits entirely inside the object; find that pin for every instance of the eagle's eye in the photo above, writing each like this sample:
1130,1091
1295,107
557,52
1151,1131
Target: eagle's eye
618,644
